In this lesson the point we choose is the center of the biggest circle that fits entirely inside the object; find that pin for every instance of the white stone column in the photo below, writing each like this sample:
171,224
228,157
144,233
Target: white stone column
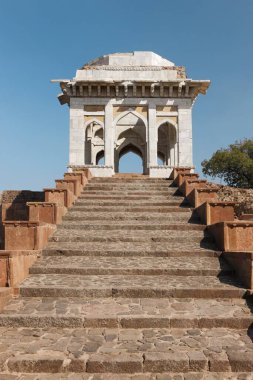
109,135
185,136
76,136
152,136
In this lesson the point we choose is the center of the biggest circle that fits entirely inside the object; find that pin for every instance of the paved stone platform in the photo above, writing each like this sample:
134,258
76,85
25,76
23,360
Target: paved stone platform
128,312
128,289
125,350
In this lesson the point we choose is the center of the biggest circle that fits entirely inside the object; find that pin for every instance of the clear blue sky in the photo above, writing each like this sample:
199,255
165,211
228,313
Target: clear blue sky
43,40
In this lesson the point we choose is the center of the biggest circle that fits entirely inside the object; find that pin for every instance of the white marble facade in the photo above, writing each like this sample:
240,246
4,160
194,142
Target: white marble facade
137,102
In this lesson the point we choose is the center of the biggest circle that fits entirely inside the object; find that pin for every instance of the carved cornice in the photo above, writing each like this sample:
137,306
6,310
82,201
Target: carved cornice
186,88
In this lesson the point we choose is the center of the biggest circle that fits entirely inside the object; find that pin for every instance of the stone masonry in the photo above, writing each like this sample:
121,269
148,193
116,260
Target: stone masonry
130,286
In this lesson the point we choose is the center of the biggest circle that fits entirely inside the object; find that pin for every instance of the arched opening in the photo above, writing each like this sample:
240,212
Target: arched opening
94,141
100,158
130,138
130,160
160,159
166,144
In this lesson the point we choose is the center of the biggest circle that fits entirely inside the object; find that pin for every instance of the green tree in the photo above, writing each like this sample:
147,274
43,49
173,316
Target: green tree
234,164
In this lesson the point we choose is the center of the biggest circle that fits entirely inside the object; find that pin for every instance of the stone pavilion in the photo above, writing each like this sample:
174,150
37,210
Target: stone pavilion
138,102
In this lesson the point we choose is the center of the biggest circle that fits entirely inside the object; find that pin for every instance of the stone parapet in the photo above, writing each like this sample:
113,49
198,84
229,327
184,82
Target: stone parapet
200,195
183,170
214,212
62,197
15,266
72,184
189,184
233,236
77,175
183,177
47,212
25,235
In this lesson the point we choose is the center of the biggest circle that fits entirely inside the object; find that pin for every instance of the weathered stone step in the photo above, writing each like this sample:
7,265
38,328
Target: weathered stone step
95,221
129,187
97,217
127,313
63,285
129,202
74,237
130,180
132,208
129,227
127,193
89,265
126,351
174,248
143,376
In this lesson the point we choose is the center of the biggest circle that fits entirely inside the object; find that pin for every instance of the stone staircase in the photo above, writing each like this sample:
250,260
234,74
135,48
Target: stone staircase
129,287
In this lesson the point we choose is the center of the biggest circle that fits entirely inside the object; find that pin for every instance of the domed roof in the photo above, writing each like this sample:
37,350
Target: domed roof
136,58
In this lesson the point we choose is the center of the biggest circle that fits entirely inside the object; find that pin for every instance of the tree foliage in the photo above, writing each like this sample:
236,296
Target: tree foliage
234,164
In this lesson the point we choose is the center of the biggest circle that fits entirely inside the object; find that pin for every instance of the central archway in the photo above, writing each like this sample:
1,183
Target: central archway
130,160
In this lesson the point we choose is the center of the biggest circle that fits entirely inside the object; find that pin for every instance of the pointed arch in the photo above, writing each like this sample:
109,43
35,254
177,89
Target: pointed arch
93,120
125,113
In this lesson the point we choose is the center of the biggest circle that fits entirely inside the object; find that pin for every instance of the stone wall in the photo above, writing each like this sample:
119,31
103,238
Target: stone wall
13,205
242,196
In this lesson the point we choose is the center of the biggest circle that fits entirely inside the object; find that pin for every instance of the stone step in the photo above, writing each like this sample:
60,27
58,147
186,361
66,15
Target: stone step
127,313
129,208
131,180
112,225
75,236
89,265
155,286
95,221
129,201
132,191
125,249
132,197
140,376
129,187
124,351
97,217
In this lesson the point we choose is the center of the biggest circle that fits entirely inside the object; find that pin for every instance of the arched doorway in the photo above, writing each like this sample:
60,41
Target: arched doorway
166,144
100,158
130,142
130,160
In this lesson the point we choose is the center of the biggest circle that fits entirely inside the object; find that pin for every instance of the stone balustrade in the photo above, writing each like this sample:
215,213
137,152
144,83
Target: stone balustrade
47,212
26,235
200,195
183,170
24,239
232,236
62,197
74,185
189,184
184,176
214,212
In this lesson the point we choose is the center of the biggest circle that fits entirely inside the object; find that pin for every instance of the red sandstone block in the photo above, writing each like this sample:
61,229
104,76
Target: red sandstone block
233,236
46,212
189,184
77,175
26,235
17,264
242,262
5,296
200,195
85,171
214,212
177,170
70,184
62,197
184,176
246,217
